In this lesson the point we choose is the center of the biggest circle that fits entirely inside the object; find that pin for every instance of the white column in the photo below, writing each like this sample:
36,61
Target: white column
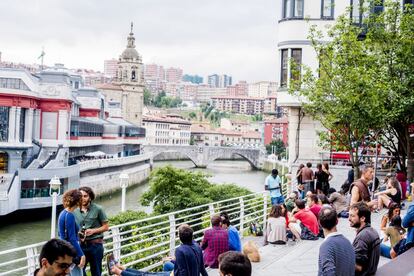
28,125
17,123
12,124
36,124
63,125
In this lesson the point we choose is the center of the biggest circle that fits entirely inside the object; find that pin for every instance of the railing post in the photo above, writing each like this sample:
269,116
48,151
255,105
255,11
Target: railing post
211,210
241,216
117,243
31,260
283,178
172,234
264,212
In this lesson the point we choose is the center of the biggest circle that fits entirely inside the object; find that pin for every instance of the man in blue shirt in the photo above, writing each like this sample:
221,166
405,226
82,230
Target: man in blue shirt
273,184
234,237
336,253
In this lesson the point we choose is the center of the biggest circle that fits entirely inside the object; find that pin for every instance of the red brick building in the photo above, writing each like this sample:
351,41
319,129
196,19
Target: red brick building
276,129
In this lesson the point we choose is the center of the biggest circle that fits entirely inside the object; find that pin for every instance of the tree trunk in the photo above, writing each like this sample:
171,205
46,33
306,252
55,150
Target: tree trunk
410,161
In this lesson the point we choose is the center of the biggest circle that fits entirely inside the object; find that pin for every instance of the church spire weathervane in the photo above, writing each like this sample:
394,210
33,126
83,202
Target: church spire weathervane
132,26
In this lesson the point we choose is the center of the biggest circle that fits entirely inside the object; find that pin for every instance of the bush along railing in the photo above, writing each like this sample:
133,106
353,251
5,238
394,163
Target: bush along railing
144,242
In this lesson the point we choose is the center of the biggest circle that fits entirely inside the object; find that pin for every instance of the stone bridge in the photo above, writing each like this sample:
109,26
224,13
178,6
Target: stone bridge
201,156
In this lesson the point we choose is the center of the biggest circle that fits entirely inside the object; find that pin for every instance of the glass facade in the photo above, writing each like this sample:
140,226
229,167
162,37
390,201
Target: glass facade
85,129
293,8
13,83
327,9
297,58
284,68
4,123
356,11
40,188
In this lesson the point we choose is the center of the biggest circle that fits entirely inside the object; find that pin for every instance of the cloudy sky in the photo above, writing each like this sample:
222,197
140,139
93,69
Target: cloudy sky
235,37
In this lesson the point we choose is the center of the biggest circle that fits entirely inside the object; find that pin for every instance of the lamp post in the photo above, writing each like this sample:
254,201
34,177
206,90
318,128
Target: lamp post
34,187
124,184
54,185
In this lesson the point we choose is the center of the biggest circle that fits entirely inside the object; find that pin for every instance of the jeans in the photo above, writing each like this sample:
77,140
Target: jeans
134,272
277,200
385,251
94,255
76,271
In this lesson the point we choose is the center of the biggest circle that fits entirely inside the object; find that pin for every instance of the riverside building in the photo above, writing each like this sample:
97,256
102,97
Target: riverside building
294,20
48,128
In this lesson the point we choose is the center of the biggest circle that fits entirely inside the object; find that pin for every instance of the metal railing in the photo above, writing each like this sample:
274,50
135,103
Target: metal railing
103,163
143,243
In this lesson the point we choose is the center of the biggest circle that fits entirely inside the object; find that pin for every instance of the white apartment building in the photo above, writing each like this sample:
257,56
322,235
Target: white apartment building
166,130
205,93
261,89
111,67
294,19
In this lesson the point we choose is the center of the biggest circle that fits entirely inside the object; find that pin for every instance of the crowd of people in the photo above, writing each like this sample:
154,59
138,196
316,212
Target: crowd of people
312,211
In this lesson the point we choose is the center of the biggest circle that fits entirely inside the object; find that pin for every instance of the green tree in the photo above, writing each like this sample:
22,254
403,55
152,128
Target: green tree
173,189
346,94
192,115
278,146
147,97
391,33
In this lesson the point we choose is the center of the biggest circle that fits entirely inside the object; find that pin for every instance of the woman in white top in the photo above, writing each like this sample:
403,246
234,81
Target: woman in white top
276,226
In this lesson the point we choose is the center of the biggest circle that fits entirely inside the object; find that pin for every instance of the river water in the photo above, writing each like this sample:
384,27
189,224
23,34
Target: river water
237,172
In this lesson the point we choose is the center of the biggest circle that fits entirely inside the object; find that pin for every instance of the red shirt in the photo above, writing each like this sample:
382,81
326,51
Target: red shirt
308,219
215,242
315,209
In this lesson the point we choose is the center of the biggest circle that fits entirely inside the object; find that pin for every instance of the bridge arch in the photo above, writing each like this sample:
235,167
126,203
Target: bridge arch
188,154
252,164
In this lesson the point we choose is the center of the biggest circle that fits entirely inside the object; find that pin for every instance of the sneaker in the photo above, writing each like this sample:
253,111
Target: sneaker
110,262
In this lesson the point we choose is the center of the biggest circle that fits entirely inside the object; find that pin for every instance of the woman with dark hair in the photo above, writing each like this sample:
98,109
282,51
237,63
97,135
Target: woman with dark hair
395,232
319,176
392,194
68,229
276,226
393,211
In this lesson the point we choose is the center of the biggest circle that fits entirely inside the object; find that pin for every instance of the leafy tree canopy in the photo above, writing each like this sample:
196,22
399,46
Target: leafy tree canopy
173,189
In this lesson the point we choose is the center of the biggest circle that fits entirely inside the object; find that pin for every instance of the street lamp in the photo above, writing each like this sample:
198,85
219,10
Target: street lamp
54,185
124,184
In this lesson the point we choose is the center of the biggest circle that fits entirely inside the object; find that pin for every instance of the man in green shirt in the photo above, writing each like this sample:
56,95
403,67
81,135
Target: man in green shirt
93,222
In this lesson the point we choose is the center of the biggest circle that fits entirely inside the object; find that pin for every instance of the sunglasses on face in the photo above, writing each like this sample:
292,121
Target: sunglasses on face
65,266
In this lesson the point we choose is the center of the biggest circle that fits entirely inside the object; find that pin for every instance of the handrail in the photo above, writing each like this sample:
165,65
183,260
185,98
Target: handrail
35,156
145,241
11,182
51,157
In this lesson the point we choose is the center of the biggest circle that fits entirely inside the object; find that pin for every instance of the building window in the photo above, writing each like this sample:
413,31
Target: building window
284,68
4,123
327,9
297,58
356,11
13,83
22,124
292,9
4,160
378,7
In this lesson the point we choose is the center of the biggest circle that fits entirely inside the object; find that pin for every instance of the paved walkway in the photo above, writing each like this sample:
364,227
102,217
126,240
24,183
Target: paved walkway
298,258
